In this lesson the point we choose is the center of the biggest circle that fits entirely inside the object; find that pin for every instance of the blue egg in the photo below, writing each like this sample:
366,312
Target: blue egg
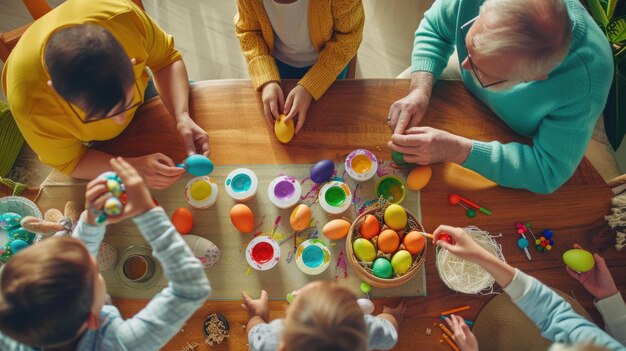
18,245
198,165
322,171
10,220
21,234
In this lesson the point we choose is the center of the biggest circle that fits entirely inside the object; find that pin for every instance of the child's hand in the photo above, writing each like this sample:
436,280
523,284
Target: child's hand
397,312
258,308
597,281
297,105
273,102
463,336
95,196
464,247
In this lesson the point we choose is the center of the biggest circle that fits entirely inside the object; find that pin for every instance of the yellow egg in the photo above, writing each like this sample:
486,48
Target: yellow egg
370,227
419,177
364,250
579,260
200,190
395,217
388,241
284,131
242,218
300,217
401,261
336,229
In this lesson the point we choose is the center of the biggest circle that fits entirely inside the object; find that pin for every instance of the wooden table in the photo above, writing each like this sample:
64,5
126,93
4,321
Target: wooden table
352,114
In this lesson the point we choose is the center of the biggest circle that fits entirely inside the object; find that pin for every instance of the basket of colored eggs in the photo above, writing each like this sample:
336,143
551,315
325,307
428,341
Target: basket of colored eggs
385,245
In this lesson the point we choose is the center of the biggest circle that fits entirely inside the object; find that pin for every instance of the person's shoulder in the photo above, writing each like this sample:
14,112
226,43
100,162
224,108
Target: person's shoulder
266,336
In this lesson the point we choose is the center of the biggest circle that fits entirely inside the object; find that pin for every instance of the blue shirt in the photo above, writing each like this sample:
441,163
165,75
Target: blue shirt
558,113
152,327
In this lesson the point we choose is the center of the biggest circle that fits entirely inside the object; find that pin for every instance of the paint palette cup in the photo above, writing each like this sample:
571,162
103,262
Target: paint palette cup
201,192
138,268
313,257
262,253
335,197
361,165
241,184
391,188
284,191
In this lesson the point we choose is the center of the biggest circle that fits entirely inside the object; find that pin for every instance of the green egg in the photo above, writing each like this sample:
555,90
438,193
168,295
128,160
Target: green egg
579,260
382,268
398,158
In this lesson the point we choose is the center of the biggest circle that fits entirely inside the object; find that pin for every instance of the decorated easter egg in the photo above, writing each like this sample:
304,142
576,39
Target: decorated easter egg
198,165
388,241
5,252
18,245
443,236
336,229
20,233
203,249
414,242
370,227
242,218
364,250
10,220
401,261
115,187
113,206
419,177
322,171
300,217
382,268
398,158
107,257
579,260
182,220
395,217
284,130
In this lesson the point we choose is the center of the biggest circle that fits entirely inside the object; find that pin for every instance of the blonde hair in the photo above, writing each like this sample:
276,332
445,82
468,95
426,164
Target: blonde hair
538,31
325,317
47,292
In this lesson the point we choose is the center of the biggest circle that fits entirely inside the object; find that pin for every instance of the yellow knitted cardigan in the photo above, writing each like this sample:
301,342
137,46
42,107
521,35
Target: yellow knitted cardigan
336,28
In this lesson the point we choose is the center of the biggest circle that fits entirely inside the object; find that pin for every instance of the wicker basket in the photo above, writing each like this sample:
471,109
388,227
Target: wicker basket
363,270
20,205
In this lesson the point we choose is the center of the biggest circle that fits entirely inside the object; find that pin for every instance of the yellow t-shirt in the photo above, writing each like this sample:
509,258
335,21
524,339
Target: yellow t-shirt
45,119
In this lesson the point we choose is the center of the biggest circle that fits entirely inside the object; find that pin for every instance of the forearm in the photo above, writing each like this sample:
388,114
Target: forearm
172,84
93,163
90,234
254,321
392,319
421,84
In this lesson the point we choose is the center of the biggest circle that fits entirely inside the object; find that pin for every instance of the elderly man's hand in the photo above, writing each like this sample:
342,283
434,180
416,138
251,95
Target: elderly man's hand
426,145
407,112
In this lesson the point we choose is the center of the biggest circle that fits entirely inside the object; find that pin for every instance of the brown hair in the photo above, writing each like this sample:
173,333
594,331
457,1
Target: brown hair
47,292
325,317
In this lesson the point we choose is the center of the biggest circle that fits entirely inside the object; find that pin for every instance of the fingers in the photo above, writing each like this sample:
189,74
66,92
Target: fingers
190,146
572,273
301,118
404,117
167,170
268,115
392,118
289,104
274,109
246,299
264,296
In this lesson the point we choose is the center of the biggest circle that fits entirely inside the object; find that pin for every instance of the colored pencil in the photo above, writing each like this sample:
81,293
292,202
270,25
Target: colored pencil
450,342
446,330
454,310
468,322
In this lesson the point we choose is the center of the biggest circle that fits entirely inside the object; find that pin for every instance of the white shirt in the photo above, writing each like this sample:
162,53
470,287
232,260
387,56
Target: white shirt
292,39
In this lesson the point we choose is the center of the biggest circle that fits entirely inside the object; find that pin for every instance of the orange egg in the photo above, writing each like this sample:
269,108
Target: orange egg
300,217
336,229
370,227
242,218
414,242
182,220
419,177
388,241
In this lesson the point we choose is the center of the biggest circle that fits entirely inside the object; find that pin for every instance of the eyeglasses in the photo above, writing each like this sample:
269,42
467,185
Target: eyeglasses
465,29
90,119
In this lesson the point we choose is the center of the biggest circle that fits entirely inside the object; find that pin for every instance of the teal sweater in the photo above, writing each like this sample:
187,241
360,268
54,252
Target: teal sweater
558,113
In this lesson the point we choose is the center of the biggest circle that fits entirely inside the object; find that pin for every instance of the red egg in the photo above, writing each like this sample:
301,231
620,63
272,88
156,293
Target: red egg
445,237
182,220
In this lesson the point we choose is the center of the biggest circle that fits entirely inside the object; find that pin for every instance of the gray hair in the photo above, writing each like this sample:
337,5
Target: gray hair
582,347
539,31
